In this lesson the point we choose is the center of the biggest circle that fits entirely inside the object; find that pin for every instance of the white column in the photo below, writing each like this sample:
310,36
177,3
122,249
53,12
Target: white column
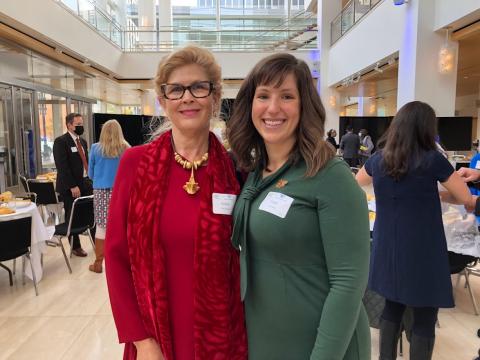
418,75
147,23
327,10
165,22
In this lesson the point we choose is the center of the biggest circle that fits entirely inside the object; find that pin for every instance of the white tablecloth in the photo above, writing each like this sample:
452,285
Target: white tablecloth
40,234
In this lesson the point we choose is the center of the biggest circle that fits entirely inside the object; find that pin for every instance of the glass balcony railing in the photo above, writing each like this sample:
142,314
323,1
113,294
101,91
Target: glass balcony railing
95,17
223,40
298,31
351,13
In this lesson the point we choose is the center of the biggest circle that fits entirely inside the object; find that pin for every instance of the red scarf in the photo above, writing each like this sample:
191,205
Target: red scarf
219,326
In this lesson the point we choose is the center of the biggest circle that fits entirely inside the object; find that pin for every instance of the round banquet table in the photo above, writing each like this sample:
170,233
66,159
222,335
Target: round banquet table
40,234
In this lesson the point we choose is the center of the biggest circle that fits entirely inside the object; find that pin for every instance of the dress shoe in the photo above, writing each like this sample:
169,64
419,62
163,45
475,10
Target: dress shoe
79,252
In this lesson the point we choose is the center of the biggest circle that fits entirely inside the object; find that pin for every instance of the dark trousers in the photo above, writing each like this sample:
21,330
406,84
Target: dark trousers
424,318
362,160
68,199
351,162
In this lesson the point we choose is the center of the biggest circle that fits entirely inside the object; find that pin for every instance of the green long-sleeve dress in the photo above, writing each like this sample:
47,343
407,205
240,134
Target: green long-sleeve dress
304,275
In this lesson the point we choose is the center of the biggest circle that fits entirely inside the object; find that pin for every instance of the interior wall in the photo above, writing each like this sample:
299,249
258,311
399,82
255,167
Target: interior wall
375,37
48,21
448,11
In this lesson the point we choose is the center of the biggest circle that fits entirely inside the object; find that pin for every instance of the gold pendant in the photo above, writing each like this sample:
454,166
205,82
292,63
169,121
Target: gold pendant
191,186
281,183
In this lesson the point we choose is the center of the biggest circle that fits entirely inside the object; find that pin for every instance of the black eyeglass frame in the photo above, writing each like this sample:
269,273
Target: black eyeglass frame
189,88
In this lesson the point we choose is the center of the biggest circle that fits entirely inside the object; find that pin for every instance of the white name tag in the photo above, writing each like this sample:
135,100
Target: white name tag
74,149
277,204
477,165
223,203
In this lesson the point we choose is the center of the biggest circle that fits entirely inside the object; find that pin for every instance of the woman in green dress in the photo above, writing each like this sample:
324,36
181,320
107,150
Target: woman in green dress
301,222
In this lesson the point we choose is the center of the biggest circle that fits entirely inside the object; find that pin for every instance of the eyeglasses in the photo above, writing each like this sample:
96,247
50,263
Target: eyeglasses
199,89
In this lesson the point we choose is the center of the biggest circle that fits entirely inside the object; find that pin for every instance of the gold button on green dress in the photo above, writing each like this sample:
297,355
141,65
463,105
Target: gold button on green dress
304,275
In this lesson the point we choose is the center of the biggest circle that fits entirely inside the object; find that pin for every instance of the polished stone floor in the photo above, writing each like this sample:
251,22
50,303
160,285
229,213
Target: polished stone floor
71,318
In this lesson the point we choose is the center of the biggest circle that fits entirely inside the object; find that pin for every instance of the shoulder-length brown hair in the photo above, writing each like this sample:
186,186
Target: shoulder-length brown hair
410,135
245,141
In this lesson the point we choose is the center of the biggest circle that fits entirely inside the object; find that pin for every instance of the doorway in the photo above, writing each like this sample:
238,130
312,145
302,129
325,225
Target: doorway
17,135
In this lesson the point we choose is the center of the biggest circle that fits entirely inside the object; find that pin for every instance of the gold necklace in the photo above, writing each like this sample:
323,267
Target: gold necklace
191,186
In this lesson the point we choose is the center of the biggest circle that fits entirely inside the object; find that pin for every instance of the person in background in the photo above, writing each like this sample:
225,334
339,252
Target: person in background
331,135
102,168
366,146
440,147
172,273
350,146
301,222
409,262
70,154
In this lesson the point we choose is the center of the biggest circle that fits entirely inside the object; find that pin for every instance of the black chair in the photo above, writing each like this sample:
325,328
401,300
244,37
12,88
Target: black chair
46,194
16,241
23,180
45,191
459,264
81,221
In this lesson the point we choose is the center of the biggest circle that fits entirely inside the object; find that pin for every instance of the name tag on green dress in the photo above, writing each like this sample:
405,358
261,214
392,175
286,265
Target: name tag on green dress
277,204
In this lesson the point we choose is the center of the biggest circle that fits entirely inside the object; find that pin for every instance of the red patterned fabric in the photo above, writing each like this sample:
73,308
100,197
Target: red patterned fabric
219,327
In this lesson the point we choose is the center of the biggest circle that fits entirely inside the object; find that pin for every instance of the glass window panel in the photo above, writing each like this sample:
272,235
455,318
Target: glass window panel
52,111
72,4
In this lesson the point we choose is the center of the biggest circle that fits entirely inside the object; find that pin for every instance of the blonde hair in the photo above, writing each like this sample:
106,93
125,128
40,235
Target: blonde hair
112,143
189,55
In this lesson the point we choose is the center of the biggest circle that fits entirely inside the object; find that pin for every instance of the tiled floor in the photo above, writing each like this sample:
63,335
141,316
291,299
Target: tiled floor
71,317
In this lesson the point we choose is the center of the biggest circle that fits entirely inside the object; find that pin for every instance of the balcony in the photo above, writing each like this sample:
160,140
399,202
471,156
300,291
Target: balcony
252,30
350,15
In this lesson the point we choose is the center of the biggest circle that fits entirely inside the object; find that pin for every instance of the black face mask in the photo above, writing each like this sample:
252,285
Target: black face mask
79,130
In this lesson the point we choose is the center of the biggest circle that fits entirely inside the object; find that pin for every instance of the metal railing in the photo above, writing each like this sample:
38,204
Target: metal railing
96,18
223,40
298,31
351,13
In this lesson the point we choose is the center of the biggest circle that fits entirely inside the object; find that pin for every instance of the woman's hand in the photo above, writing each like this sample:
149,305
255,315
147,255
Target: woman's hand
468,174
148,349
470,206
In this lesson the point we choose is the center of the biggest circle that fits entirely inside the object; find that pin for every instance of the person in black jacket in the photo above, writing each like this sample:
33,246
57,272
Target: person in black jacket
71,160
349,146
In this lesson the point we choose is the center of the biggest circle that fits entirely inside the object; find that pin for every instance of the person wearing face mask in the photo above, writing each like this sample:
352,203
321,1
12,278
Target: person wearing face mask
70,154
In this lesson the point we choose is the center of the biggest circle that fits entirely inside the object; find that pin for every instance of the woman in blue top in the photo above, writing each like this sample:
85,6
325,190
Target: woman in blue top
102,168
409,261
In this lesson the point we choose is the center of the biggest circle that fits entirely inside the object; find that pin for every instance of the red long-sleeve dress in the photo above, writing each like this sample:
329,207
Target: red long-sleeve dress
177,228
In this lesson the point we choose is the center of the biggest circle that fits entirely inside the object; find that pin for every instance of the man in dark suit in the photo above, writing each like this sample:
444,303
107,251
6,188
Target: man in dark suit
350,145
71,156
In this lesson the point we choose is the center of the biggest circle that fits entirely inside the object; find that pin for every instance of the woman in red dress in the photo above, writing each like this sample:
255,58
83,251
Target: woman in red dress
173,277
